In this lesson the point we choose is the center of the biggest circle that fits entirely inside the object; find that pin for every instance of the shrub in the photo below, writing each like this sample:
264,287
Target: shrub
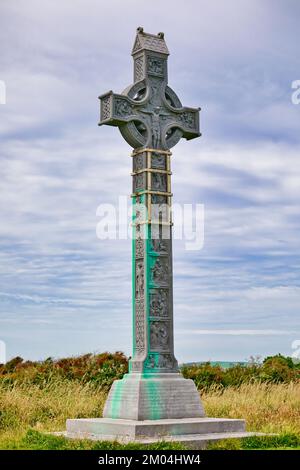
100,369
274,369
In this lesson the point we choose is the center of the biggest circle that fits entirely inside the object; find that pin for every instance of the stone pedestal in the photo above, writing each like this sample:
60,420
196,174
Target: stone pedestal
153,396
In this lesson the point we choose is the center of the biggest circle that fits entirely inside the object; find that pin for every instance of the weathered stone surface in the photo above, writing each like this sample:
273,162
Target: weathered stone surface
190,441
195,433
158,428
153,396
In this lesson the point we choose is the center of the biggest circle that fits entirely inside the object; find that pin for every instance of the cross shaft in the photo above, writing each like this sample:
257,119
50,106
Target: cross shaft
152,119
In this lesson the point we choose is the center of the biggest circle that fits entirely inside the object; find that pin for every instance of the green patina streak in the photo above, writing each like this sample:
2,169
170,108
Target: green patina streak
116,402
147,292
152,391
152,386
133,277
151,259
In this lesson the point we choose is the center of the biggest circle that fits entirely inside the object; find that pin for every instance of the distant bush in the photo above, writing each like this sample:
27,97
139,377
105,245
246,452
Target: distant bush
100,369
274,369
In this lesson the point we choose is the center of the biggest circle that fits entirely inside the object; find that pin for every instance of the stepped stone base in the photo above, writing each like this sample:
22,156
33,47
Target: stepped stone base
147,408
153,396
193,432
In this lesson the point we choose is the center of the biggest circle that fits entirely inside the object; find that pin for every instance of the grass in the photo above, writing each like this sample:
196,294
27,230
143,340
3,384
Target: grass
27,413
271,408
268,408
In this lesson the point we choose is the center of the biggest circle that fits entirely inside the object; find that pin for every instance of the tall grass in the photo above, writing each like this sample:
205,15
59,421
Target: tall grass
48,408
266,407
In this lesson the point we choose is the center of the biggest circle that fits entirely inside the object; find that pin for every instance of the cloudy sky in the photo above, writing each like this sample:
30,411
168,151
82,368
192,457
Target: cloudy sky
62,290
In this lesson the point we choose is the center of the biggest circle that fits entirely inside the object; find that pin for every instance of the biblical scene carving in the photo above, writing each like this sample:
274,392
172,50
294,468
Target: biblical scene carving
122,108
139,181
139,162
160,245
139,279
159,303
159,335
161,361
158,199
139,248
187,119
160,271
159,182
158,161
155,66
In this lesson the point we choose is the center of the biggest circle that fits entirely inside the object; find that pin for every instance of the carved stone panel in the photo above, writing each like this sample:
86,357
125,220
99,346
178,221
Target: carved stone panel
188,119
122,108
155,66
159,182
106,107
139,72
139,279
139,248
136,366
158,161
165,361
139,326
139,162
138,231
159,303
159,335
161,361
159,199
160,245
160,271
140,215
139,181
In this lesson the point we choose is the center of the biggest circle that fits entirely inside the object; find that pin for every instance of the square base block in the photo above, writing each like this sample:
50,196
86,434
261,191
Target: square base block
152,397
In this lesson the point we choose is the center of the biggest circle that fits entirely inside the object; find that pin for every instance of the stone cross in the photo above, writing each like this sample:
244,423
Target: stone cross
151,119
153,401
148,113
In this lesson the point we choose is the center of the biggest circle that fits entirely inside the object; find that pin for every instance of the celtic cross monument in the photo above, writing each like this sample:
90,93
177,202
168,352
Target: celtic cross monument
152,120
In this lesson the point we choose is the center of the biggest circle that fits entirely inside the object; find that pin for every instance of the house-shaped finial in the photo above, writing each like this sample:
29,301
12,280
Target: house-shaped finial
149,42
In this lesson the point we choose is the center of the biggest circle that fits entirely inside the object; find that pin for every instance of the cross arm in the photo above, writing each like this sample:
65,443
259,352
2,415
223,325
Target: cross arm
115,109
188,121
